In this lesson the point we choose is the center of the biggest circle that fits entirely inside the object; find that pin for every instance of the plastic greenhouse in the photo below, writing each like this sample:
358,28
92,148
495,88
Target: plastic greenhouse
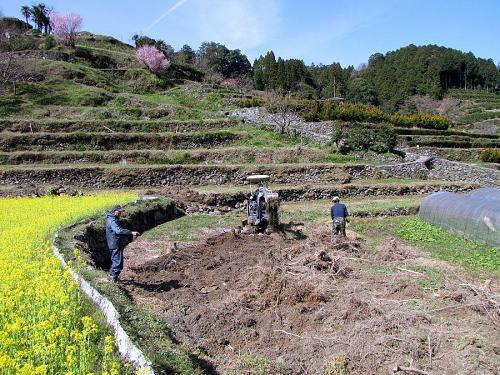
475,215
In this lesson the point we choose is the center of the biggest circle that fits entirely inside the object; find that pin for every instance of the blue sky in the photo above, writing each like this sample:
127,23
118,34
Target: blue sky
318,31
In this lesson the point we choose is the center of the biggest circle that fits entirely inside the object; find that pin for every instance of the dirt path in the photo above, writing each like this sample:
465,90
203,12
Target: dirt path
277,305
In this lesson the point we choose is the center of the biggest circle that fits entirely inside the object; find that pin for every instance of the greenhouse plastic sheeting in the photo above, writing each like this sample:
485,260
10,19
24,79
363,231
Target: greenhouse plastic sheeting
488,193
475,215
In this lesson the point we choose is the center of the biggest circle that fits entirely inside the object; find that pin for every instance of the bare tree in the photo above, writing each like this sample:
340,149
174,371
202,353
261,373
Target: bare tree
244,85
358,72
283,110
14,69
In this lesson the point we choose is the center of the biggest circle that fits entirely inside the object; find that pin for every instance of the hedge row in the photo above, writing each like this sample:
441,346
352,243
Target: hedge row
490,155
79,141
67,126
447,142
347,111
416,131
250,102
420,131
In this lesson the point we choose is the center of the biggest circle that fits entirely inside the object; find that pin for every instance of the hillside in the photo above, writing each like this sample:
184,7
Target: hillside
195,294
96,106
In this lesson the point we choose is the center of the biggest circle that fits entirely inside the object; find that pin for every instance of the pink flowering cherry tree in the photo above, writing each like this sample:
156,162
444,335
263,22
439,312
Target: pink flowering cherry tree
65,27
153,58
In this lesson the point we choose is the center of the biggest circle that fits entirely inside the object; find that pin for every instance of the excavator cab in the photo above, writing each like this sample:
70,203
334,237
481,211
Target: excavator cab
262,206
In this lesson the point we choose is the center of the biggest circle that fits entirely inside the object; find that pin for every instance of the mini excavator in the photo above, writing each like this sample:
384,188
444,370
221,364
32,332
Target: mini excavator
262,207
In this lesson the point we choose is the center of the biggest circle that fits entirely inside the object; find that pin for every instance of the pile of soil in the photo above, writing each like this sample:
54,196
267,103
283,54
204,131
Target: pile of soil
307,307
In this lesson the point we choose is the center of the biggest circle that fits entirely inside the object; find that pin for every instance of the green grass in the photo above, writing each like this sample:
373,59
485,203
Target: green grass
445,246
477,117
337,157
75,72
189,97
193,98
439,244
382,204
137,93
433,277
313,211
108,43
258,137
190,228
371,228
9,106
397,181
301,213
472,94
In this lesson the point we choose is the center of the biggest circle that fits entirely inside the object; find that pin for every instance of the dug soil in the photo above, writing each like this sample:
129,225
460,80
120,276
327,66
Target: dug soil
296,304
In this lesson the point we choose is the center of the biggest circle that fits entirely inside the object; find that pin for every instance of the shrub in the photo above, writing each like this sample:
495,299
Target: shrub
185,71
48,42
385,139
359,138
347,111
490,155
250,102
381,139
420,120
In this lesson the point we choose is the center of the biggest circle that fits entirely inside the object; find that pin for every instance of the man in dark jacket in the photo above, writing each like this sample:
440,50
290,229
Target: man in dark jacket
339,214
117,238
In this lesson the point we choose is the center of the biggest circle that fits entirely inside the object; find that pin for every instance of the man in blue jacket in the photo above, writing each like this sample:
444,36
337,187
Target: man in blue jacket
339,214
117,238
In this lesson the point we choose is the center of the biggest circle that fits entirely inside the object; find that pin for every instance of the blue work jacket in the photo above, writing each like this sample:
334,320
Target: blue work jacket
116,236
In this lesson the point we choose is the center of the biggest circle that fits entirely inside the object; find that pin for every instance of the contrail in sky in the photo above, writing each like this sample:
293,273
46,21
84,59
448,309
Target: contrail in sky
170,10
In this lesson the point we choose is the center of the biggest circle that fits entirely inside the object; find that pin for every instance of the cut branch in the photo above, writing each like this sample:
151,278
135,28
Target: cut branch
410,370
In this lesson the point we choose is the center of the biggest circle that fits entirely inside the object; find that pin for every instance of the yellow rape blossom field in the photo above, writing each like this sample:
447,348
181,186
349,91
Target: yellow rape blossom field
43,326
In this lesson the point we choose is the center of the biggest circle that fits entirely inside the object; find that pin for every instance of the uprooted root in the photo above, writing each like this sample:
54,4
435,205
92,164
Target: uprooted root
312,307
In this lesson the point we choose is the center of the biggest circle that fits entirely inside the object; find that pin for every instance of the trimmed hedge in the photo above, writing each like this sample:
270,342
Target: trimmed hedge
420,120
357,112
420,131
490,155
414,131
250,102
449,141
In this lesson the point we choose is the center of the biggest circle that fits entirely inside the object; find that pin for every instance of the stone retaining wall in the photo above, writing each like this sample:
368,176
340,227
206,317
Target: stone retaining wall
453,171
463,154
234,200
186,175
442,169
412,170
315,131
115,141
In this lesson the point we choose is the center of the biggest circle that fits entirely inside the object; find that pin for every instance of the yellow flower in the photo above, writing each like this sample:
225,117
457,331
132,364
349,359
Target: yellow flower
42,327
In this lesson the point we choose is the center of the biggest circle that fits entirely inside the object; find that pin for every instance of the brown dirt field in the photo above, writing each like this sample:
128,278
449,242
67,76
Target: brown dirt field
283,305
